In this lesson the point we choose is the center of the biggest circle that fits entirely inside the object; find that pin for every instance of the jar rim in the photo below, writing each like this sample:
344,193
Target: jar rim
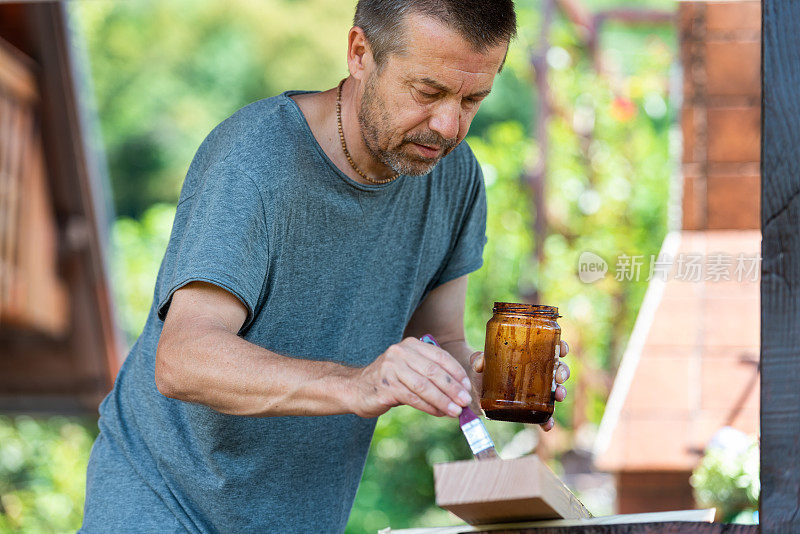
526,309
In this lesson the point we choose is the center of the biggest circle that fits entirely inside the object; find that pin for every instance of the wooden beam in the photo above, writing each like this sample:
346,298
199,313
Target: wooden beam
780,268
501,491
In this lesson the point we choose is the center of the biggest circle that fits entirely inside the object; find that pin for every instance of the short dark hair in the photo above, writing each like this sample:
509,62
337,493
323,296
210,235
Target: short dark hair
483,23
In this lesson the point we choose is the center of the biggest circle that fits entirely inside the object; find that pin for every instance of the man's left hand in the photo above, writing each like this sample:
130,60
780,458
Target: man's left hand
562,375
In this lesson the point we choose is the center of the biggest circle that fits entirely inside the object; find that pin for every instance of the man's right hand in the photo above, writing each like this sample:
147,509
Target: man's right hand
415,373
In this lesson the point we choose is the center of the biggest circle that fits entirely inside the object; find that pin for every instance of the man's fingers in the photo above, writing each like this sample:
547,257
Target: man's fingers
416,402
422,387
562,373
561,393
564,349
548,425
443,359
443,380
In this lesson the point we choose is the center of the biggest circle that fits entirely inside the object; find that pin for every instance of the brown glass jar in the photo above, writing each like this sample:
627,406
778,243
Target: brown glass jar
521,354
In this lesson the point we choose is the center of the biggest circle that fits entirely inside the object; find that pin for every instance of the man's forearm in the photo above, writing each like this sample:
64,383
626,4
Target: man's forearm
214,367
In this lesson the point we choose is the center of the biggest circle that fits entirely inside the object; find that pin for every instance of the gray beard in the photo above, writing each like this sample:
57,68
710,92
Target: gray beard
372,115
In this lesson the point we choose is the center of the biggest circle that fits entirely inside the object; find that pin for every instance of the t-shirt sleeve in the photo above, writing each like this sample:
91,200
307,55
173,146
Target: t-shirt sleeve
466,255
219,236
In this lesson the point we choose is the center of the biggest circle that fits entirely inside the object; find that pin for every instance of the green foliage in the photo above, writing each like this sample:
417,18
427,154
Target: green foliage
43,473
728,479
166,72
503,153
609,170
609,175
137,250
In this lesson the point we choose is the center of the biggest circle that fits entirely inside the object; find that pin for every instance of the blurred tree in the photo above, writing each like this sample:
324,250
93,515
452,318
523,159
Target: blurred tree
137,250
166,72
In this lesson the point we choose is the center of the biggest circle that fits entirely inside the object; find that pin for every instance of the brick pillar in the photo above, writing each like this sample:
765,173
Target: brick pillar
720,46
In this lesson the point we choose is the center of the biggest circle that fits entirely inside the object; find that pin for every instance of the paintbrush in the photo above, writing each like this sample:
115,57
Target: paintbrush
478,438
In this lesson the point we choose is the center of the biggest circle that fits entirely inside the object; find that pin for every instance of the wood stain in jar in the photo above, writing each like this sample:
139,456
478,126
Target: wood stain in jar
521,355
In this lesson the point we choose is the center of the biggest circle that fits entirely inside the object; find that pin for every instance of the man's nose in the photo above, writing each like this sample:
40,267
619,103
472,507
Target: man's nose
445,120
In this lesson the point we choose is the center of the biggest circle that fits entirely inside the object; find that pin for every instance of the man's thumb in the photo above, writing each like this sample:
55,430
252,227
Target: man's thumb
476,361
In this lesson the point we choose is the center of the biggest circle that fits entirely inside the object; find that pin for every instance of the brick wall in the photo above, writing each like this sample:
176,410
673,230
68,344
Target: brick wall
640,492
721,116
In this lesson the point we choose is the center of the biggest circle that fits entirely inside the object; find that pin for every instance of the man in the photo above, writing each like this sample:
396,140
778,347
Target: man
317,237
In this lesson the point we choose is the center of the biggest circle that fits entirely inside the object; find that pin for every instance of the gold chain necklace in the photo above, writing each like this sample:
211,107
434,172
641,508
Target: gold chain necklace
344,145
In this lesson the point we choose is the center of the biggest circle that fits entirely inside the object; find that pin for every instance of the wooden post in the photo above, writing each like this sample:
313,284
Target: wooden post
780,269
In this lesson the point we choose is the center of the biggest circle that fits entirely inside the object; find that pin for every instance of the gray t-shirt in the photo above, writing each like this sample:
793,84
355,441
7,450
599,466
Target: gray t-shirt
329,269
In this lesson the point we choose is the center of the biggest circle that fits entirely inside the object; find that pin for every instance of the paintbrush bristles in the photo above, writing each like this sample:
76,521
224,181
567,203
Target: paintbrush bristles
487,454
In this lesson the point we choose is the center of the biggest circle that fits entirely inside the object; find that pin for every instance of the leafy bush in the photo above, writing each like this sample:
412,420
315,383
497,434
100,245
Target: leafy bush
728,477
43,473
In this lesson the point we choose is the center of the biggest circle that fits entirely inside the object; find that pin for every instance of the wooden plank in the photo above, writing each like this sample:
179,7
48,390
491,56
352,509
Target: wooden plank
498,491
16,124
672,517
639,528
7,233
780,274
42,297
614,528
22,137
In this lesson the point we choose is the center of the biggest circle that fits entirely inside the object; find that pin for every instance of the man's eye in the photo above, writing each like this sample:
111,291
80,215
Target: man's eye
423,94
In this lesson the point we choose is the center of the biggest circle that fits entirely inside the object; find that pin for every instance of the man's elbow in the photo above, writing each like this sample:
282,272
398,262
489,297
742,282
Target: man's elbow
168,380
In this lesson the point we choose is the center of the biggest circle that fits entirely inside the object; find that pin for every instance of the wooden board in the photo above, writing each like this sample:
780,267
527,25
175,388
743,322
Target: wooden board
502,491
682,519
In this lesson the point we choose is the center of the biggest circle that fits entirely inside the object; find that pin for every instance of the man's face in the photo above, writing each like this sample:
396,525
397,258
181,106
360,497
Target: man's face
421,103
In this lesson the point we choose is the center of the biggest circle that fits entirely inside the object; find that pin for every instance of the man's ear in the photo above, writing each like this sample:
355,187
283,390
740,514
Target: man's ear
359,53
